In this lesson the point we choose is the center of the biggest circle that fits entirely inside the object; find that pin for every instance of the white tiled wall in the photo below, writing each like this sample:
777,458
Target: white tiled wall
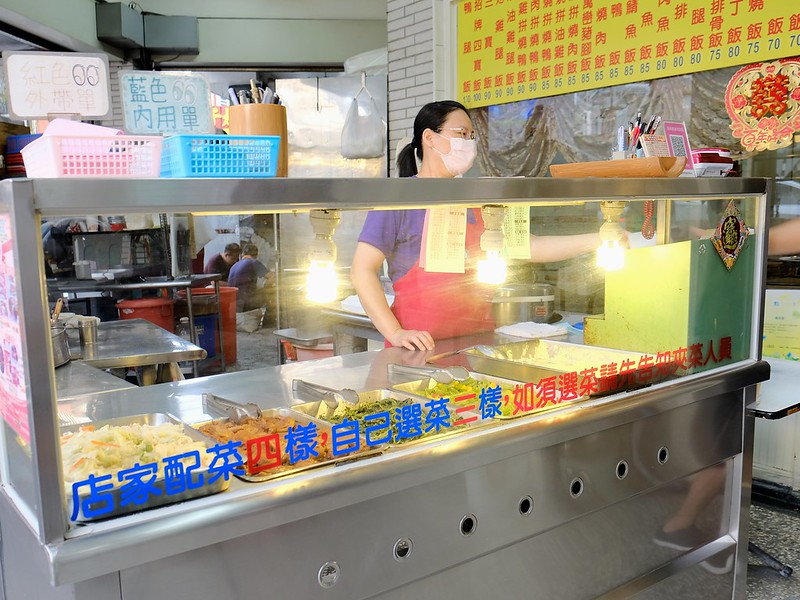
418,37
114,67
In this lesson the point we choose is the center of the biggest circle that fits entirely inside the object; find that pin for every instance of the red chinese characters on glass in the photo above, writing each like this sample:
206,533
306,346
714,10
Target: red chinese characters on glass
770,94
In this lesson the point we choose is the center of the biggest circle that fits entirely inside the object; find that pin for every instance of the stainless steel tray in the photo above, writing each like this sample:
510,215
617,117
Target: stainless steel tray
324,430
421,387
375,401
534,360
153,501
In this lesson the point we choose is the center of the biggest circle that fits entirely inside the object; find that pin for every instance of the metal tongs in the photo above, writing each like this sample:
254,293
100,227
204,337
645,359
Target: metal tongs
312,392
57,310
235,411
439,374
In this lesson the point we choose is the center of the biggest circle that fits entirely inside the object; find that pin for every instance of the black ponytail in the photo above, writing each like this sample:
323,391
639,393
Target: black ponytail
406,163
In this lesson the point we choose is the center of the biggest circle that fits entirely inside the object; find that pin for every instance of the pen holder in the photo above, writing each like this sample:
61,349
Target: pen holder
262,119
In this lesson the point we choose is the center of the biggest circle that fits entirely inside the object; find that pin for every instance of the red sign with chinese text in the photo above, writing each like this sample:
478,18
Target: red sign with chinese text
763,102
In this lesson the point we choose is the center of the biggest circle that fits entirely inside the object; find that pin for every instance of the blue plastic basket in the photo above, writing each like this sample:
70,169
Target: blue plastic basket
15,143
220,156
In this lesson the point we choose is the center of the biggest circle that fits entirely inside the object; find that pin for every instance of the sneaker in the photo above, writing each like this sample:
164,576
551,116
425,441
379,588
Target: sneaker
682,539
719,564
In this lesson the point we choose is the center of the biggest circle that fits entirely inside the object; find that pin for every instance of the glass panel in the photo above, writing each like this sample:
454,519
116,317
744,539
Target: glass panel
16,468
673,306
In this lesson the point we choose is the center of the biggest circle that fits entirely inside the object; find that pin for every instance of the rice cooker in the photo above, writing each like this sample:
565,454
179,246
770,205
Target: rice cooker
522,302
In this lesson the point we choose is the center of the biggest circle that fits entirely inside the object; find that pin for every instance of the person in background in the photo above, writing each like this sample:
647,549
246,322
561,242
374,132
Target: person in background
221,263
245,276
784,239
430,306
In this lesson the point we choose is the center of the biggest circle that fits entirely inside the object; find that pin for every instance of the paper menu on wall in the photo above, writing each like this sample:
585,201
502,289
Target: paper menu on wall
444,236
517,232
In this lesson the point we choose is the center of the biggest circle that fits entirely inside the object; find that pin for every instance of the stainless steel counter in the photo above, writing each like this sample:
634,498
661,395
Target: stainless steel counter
432,482
78,380
779,397
78,287
563,504
68,286
135,343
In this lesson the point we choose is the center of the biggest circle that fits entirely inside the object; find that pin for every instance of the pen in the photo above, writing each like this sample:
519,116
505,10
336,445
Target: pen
621,138
254,92
649,127
242,96
656,123
232,95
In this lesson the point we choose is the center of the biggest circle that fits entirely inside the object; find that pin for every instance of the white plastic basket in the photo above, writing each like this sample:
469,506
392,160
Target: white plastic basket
118,156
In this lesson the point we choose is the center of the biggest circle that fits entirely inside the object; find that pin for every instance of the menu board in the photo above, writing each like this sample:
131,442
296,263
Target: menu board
169,103
13,392
49,84
511,50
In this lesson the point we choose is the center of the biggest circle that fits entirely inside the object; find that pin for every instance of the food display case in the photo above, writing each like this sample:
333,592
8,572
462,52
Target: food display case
636,422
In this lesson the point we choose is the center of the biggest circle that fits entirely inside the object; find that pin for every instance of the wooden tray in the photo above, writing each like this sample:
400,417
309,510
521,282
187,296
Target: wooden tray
654,166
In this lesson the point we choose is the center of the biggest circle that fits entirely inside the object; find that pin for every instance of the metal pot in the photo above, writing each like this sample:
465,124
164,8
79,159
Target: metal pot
58,337
521,302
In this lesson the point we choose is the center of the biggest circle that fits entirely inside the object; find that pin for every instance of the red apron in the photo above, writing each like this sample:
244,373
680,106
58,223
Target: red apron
446,304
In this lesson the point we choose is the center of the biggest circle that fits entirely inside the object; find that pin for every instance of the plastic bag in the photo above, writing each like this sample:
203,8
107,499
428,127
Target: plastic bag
363,136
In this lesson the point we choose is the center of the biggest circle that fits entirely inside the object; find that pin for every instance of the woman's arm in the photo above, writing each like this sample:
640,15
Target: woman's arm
364,275
784,238
561,247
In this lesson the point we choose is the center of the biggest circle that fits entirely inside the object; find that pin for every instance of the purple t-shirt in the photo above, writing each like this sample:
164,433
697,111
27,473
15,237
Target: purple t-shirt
398,234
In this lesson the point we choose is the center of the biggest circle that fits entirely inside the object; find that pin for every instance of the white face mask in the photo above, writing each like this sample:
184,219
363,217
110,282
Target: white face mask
461,156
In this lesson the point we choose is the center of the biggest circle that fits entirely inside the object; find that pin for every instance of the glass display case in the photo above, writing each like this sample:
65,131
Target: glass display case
560,464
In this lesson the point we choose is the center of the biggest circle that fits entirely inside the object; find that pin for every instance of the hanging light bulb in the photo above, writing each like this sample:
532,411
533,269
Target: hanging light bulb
321,281
611,253
492,269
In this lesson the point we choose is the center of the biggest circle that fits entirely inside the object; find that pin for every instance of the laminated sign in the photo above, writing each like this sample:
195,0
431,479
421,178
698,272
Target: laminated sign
47,84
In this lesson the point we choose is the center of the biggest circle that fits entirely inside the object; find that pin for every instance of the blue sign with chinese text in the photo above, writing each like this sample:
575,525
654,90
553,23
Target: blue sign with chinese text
170,103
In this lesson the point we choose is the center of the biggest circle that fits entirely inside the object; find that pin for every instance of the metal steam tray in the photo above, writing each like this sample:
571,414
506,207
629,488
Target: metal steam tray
162,498
375,401
324,430
534,360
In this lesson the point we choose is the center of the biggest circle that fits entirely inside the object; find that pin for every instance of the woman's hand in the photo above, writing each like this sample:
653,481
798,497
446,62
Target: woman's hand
412,339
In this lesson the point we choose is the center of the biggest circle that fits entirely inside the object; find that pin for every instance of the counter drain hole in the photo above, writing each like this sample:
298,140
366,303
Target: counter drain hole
622,469
468,524
402,549
526,505
663,454
576,487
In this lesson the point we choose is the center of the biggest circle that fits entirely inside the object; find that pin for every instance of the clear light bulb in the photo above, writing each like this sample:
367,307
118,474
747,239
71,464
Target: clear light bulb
321,282
492,269
611,255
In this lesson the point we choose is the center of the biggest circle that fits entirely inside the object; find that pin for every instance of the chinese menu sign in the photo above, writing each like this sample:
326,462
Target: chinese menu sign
170,103
513,50
13,393
48,84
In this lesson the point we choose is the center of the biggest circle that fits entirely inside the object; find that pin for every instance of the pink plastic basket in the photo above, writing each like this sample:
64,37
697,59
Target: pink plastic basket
85,156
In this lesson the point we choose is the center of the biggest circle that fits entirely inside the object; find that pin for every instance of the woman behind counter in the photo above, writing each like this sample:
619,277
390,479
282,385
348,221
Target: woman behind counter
431,306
